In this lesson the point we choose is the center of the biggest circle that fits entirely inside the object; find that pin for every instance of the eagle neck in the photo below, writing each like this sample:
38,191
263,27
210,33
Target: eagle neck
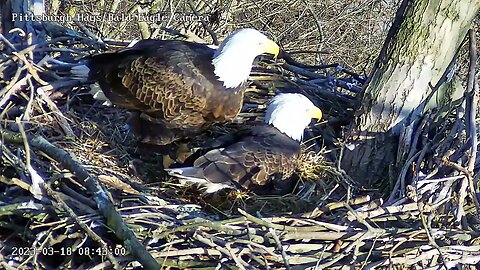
294,132
288,122
232,67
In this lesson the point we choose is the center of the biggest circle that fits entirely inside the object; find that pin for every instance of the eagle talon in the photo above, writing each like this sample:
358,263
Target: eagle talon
167,161
182,153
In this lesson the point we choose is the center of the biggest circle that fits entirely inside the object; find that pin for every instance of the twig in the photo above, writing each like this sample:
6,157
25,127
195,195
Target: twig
9,44
106,207
10,89
63,206
272,225
427,226
462,192
29,66
228,252
25,142
280,247
28,109
472,104
335,205
204,23
404,208
89,33
412,155
61,118
308,51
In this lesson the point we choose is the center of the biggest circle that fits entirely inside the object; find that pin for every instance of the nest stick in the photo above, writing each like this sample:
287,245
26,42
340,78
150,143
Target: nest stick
12,88
62,120
25,141
62,205
9,44
226,251
106,207
204,23
89,33
28,109
280,247
472,101
30,67
335,205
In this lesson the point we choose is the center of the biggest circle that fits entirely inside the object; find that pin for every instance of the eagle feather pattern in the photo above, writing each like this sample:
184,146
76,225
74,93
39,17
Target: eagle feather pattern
249,159
170,85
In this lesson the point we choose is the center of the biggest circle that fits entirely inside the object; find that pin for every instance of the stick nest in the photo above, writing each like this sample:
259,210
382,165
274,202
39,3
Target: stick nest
66,159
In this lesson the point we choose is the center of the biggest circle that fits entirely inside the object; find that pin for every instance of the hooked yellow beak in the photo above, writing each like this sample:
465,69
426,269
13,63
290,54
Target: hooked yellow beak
271,48
315,113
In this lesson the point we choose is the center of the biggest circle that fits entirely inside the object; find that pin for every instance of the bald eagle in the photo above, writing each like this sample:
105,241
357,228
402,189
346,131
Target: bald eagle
251,159
176,89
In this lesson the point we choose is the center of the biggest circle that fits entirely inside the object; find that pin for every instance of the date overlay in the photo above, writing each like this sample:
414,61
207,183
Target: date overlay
68,251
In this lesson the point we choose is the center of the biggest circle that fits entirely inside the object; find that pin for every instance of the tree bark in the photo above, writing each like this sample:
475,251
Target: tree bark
422,41
13,14
6,14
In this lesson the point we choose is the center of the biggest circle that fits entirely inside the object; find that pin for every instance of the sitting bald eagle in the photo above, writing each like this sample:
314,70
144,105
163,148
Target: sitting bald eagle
251,159
178,88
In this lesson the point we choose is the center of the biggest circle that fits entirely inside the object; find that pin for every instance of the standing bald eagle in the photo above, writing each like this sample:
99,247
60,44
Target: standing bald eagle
251,159
177,88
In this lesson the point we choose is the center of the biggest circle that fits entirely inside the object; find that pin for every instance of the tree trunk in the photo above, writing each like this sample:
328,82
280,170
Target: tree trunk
421,43
6,14
15,14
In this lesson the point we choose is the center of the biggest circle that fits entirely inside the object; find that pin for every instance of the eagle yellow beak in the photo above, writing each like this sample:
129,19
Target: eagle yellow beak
271,48
315,113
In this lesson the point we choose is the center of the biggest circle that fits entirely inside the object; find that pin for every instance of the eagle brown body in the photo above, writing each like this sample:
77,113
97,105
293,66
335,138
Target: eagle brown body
169,85
249,159
261,158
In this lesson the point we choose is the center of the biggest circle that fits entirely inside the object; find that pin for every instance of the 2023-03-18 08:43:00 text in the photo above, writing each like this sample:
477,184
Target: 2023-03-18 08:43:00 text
67,251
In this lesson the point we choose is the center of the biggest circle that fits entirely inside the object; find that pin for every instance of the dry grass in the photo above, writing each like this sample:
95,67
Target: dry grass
326,222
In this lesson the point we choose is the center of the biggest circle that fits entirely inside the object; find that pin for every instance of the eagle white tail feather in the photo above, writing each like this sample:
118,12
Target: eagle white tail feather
212,46
98,94
80,72
184,176
133,42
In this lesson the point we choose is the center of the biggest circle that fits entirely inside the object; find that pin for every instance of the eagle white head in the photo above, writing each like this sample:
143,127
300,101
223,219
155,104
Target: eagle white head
291,114
234,58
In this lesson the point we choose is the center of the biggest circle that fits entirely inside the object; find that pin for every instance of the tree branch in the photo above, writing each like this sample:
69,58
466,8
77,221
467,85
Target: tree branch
106,207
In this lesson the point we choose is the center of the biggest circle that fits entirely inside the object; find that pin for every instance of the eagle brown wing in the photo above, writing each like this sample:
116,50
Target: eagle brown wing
251,162
172,86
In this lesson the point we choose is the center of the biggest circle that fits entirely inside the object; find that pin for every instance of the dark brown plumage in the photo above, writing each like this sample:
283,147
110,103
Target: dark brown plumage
248,159
176,89
258,158
169,85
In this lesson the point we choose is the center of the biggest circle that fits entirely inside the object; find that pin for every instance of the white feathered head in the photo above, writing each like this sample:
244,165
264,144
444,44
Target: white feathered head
234,58
291,114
